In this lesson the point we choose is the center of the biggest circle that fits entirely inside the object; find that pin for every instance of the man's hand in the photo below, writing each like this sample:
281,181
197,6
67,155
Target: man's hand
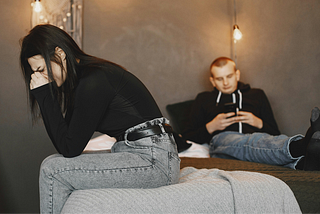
38,79
249,118
221,121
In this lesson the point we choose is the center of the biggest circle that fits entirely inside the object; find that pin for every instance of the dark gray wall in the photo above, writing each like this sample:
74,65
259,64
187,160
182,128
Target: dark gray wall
169,46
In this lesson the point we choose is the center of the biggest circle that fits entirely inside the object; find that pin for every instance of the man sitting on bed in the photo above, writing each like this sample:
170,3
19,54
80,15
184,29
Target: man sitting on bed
238,123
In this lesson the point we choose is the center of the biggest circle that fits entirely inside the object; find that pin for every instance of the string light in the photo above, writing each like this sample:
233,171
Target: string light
37,7
65,14
237,35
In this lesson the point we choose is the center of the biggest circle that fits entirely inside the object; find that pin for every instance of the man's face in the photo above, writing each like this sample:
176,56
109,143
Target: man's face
225,78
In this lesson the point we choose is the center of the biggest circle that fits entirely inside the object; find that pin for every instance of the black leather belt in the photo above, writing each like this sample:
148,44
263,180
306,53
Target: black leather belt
146,132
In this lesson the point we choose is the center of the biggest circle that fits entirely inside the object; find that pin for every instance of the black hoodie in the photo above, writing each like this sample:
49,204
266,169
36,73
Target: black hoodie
209,104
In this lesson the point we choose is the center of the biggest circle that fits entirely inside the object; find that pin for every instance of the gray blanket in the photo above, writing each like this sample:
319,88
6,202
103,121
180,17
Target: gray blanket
199,191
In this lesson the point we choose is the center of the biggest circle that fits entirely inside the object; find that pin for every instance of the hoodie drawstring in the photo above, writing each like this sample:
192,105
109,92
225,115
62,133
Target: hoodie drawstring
218,98
240,99
234,101
240,107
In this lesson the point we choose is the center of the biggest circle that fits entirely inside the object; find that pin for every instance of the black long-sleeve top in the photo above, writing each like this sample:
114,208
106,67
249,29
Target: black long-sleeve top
208,105
108,99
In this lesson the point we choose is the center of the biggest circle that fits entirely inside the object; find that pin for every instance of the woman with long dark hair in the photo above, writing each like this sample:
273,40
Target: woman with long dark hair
77,94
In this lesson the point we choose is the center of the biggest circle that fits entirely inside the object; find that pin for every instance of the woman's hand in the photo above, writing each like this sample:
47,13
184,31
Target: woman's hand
38,79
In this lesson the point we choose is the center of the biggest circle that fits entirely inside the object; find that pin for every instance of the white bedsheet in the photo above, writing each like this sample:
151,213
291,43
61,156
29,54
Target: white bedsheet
105,142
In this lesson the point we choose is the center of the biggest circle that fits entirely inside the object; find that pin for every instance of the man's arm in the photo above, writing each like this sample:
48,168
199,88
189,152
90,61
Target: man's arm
202,124
269,123
221,121
249,118
265,121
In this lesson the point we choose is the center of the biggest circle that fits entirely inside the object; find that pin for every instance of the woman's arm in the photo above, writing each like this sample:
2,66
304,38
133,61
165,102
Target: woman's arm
92,97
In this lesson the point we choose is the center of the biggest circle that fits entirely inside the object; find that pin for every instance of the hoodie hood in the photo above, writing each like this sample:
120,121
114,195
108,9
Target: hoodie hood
237,94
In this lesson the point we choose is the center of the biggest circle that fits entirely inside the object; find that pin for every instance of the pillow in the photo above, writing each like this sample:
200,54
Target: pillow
179,114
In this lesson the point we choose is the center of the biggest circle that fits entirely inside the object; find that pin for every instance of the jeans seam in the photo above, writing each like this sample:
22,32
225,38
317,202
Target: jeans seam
170,168
153,158
101,170
51,194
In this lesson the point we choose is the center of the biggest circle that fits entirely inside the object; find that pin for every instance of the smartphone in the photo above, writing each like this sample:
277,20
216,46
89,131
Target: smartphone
230,107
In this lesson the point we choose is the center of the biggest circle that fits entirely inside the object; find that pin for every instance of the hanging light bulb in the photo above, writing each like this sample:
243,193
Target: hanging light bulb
237,35
37,7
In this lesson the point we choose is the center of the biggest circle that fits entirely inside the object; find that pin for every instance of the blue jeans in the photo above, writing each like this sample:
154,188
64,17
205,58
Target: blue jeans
145,163
256,147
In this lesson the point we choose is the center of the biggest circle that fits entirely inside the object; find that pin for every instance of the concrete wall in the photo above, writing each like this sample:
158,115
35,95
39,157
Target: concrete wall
169,45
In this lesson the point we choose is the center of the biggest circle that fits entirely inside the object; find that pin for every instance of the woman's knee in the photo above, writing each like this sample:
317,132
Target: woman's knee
49,164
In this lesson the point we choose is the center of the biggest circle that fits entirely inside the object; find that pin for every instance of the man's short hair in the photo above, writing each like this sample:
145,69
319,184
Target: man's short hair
222,61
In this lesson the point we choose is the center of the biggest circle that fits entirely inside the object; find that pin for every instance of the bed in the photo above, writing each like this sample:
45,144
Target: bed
198,191
207,185
304,184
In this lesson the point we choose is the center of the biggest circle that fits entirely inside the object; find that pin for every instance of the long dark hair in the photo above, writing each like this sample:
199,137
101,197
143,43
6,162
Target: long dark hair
43,40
